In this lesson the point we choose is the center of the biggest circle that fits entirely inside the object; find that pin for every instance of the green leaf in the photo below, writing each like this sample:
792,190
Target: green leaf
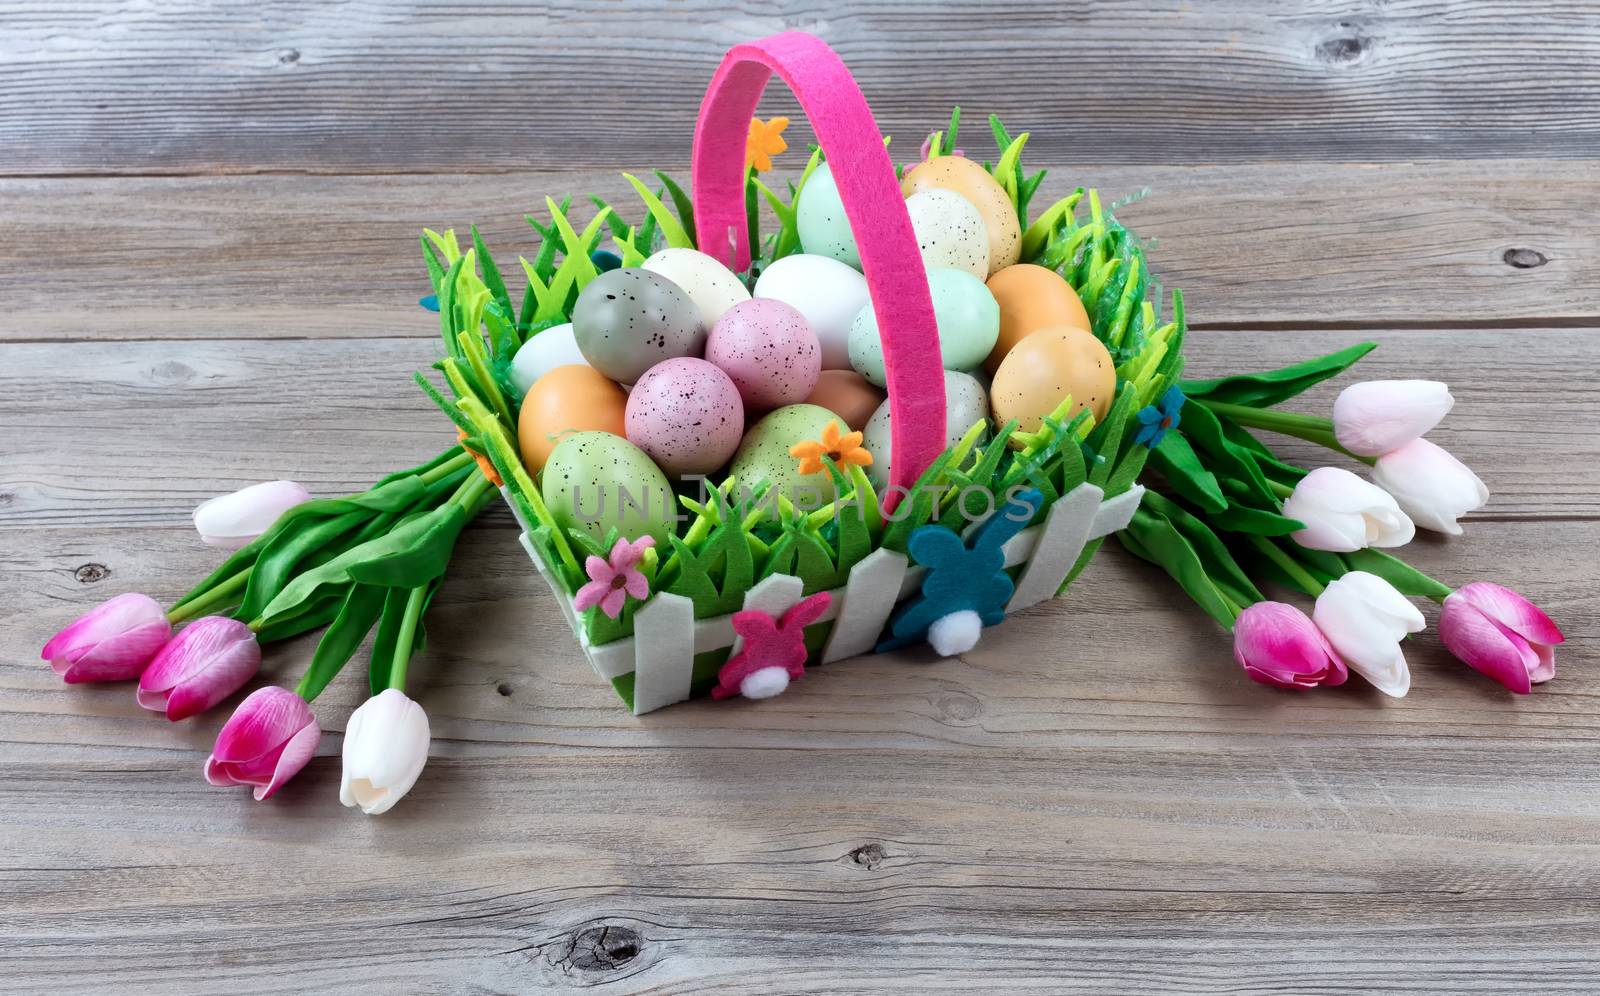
339,642
1221,567
388,633
1259,522
1406,579
1226,459
1151,536
1271,387
1182,468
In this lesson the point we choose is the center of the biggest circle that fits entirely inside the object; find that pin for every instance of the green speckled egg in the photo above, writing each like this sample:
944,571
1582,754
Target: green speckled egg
764,454
594,481
966,313
824,230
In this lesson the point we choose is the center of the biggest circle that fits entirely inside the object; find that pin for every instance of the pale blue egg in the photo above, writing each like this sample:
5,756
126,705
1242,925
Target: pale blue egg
824,230
967,315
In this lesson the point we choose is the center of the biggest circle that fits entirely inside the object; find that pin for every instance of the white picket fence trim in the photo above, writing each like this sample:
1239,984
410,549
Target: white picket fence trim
667,637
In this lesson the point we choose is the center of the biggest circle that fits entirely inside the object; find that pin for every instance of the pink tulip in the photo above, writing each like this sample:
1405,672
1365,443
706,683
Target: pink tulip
1277,644
266,741
114,641
1376,417
233,520
206,662
1501,634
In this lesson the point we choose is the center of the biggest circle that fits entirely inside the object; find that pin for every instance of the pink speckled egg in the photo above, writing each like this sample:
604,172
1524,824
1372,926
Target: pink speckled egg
769,351
686,413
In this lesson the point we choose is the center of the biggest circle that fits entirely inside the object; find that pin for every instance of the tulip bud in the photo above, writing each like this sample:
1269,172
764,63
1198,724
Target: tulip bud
1377,416
1365,619
114,641
1342,513
1433,487
266,742
209,660
1501,634
385,747
1277,645
234,520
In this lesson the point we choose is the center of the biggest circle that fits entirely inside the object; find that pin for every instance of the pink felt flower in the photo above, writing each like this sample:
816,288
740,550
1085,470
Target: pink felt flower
206,662
266,742
114,641
1501,634
1277,644
774,650
610,584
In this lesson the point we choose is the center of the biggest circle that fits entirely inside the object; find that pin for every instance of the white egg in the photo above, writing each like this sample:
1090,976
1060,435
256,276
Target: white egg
965,402
711,286
827,292
950,231
554,347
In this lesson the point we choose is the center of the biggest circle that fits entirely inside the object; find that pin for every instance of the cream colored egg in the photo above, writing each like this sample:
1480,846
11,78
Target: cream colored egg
711,286
950,232
972,181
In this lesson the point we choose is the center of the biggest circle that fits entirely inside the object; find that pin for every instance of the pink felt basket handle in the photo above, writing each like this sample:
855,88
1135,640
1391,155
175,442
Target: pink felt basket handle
876,211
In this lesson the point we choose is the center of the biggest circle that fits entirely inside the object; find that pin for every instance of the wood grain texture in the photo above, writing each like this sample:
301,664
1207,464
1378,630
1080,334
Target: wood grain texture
110,86
1484,243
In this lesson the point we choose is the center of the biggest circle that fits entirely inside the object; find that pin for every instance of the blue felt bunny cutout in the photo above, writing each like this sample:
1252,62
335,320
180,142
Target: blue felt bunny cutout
962,576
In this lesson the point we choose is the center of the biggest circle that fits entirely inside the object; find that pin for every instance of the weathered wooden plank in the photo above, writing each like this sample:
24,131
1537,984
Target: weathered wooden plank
1289,246
101,85
138,433
1094,800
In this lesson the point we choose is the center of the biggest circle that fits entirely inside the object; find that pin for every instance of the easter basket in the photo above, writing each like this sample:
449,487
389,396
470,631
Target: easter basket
969,523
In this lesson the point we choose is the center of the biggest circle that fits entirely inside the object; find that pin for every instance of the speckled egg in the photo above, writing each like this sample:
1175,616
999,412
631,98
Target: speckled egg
568,399
824,229
554,347
626,321
965,312
1031,297
686,414
972,181
964,403
769,351
848,395
827,292
949,231
596,481
1044,368
764,454
710,285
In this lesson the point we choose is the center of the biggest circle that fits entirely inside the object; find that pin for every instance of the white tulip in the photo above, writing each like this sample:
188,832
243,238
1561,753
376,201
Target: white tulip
1365,619
1343,513
232,521
1376,416
385,747
1433,487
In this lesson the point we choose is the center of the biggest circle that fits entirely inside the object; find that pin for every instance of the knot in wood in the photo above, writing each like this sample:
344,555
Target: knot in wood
868,856
1342,50
600,948
90,573
1524,259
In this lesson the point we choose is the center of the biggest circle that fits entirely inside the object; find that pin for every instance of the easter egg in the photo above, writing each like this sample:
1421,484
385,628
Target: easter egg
965,177
1044,368
964,403
686,414
1031,297
769,351
949,231
626,321
764,454
848,395
542,353
710,285
819,216
827,292
595,482
568,399
966,314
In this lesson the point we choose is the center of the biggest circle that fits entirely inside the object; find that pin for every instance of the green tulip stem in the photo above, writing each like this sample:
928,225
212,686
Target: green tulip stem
406,635
447,468
1311,428
1298,574
224,594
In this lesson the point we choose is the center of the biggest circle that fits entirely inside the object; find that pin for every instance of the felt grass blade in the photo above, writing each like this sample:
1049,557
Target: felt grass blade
681,203
491,274
671,230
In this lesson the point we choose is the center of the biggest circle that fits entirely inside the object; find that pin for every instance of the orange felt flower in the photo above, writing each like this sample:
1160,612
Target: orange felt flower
483,462
764,141
844,450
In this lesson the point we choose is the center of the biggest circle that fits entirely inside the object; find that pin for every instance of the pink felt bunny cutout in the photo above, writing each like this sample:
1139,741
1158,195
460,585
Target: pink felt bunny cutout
774,651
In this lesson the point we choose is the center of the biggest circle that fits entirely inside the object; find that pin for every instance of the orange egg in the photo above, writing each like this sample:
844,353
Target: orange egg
848,395
1047,366
574,398
1031,298
965,177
